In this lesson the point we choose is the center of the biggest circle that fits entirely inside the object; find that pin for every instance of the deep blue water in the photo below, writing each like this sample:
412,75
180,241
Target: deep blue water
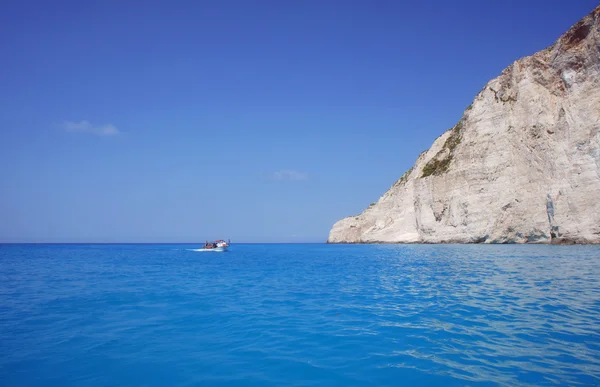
299,315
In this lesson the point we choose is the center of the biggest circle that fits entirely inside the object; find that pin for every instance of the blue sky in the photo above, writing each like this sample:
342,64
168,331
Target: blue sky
267,121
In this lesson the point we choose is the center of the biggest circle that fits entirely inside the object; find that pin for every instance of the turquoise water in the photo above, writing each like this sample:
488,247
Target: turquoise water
299,315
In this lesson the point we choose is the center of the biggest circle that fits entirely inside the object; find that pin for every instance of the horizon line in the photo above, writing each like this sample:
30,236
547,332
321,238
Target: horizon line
148,243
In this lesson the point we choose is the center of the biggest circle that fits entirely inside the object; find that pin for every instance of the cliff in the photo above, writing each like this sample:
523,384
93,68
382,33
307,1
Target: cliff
521,166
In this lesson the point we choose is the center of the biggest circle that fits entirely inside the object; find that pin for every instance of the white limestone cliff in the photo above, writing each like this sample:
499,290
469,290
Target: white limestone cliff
521,166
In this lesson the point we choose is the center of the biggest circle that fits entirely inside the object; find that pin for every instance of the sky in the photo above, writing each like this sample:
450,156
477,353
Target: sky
258,121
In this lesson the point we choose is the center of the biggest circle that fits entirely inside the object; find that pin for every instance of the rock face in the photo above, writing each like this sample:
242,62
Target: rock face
521,166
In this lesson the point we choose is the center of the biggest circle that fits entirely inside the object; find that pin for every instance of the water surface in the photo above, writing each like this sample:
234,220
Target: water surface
299,315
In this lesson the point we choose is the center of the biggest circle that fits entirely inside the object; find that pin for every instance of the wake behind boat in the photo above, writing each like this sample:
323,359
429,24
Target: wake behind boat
218,245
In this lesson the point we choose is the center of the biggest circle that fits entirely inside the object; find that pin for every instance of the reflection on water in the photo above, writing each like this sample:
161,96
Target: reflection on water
486,310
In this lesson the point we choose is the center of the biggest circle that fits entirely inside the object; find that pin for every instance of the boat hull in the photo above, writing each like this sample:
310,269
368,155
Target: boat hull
218,248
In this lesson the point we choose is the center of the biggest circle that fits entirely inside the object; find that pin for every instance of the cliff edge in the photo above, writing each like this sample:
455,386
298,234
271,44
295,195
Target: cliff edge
521,166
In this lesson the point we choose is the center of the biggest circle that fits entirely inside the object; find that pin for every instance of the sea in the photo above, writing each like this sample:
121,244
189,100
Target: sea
299,315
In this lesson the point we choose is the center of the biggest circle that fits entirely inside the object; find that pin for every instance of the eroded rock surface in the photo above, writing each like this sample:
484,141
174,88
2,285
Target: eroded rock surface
521,166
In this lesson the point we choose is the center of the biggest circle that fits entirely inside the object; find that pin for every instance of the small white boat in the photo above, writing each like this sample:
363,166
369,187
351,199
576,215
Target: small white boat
218,245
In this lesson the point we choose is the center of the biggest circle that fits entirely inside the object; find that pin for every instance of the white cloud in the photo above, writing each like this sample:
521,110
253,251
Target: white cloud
87,127
288,174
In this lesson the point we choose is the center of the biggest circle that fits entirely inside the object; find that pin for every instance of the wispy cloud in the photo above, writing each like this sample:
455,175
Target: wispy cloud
87,127
288,174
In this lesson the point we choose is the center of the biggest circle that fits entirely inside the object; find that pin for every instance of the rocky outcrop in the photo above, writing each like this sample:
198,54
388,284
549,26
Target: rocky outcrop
521,166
